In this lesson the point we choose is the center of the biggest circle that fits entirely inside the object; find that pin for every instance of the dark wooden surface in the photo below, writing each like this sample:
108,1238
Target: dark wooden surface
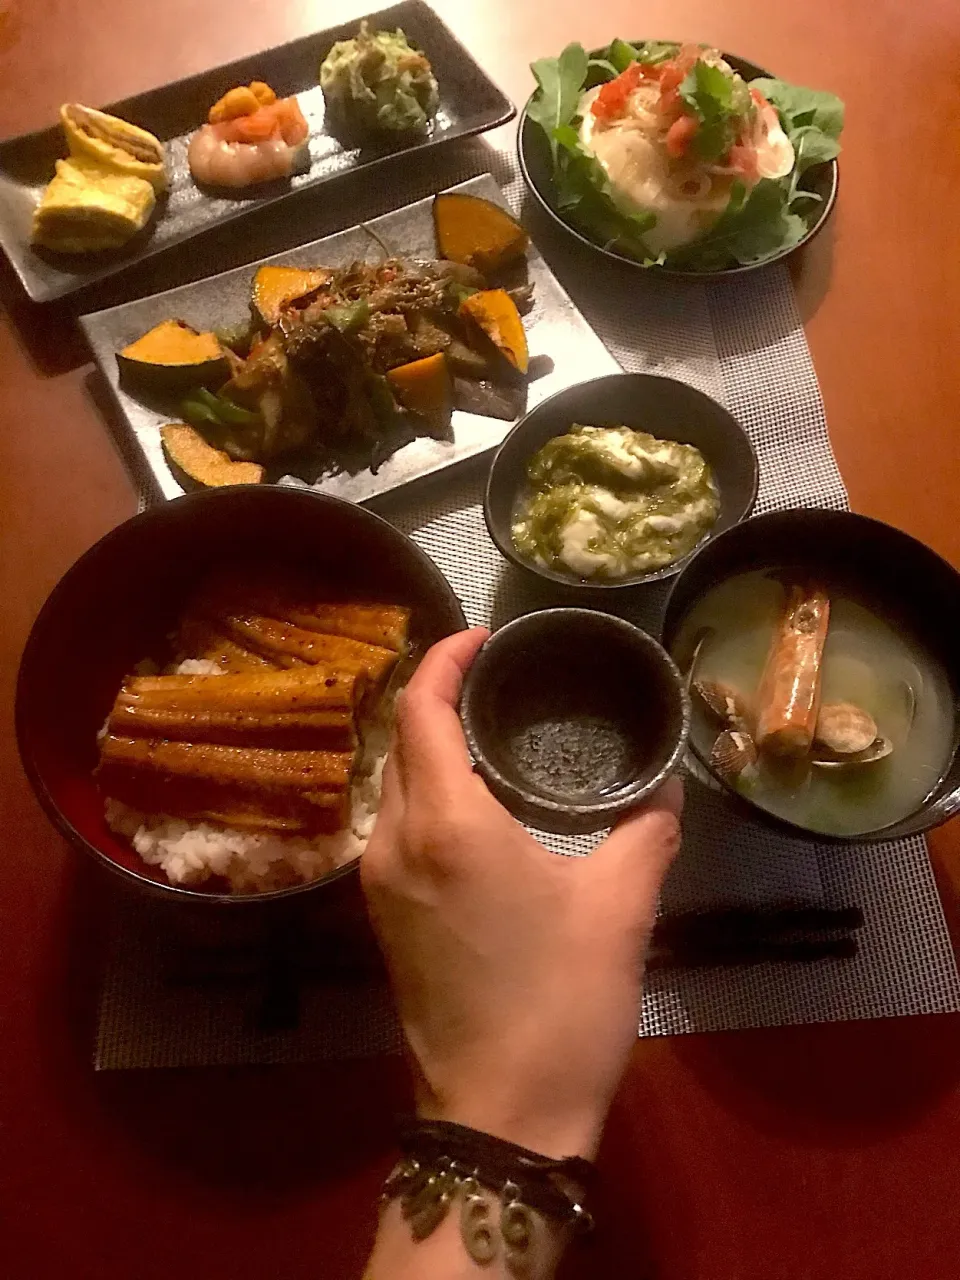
800,1153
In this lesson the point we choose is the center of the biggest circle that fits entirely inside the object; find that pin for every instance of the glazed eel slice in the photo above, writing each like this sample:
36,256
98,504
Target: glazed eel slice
292,597
290,790
197,637
290,645
310,707
383,625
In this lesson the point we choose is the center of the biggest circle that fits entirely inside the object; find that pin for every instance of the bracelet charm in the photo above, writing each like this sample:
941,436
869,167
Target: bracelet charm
506,1193
477,1229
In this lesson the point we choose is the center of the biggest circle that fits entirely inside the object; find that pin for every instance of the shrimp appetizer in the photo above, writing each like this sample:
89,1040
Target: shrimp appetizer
252,136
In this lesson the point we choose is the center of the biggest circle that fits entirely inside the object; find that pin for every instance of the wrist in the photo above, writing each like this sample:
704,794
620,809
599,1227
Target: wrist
550,1132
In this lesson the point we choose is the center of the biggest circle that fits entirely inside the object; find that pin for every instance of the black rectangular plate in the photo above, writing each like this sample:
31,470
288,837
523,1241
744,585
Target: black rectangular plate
470,103
557,335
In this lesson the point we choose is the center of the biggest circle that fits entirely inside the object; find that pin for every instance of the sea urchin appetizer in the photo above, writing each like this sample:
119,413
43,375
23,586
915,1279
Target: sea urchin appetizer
251,136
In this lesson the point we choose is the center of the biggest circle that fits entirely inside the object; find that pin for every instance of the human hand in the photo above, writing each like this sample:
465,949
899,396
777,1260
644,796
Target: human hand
517,972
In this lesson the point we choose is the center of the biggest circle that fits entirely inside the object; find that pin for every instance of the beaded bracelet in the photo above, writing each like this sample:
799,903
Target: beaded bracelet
443,1162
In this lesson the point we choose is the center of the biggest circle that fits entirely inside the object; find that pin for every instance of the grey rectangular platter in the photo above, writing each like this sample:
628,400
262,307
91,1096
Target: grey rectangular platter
559,338
470,103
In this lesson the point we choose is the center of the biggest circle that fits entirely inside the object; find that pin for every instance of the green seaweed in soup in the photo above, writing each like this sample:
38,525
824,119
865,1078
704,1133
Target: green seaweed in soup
609,502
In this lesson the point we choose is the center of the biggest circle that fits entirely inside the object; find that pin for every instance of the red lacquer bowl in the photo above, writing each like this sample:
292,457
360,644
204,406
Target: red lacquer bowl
119,602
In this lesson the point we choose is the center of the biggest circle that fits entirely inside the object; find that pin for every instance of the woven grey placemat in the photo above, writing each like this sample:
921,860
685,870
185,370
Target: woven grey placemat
741,342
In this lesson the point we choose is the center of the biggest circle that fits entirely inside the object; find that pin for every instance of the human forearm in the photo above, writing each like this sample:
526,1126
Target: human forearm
518,979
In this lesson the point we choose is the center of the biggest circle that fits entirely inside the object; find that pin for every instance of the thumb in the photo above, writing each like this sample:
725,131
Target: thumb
639,850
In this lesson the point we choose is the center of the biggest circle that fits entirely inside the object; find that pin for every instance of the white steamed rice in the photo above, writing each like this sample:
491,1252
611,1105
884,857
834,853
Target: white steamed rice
253,862
198,667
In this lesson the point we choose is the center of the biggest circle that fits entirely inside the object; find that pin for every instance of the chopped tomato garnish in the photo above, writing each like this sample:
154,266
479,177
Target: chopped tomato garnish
672,73
671,77
611,101
680,135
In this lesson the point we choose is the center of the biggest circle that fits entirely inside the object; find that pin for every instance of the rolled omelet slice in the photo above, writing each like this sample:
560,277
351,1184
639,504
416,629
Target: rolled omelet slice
114,144
87,208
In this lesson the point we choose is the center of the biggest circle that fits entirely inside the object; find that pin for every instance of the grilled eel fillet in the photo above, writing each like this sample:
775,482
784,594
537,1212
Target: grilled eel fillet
311,707
290,645
384,626
252,786
199,638
271,744
291,597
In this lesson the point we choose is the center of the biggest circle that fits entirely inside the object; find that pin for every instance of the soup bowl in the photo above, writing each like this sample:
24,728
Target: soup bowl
121,600
893,575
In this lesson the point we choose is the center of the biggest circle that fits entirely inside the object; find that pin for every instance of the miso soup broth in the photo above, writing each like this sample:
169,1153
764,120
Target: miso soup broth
866,662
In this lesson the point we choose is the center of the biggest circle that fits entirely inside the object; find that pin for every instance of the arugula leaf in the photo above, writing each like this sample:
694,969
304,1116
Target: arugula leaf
561,82
656,51
621,54
707,89
801,107
599,71
753,227
812,120
719,102
812,146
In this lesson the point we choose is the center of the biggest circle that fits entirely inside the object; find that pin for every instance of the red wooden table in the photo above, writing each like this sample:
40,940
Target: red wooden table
801,1154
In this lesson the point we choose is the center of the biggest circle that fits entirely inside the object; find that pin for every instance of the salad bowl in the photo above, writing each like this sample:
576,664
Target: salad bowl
817,187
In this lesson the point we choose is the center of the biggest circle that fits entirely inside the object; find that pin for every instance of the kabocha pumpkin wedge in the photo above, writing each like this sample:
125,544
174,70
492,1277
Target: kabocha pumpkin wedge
172,356
201,463
275,287
496,314
424,387
477,232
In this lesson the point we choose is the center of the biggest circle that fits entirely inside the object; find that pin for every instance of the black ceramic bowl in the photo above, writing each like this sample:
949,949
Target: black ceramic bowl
573,717
121,599
533,153
899,578
666,408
